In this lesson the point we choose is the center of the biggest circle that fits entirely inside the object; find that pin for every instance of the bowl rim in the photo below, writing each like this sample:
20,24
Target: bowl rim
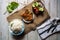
23,28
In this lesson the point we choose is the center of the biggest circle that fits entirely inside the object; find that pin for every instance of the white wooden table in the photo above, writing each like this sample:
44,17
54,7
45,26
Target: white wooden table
53,7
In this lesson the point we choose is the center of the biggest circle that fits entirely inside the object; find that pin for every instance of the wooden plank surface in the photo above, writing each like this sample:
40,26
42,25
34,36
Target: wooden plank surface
47,5
0,25
4,23
53,13
51,6
58,14
10,36
27,27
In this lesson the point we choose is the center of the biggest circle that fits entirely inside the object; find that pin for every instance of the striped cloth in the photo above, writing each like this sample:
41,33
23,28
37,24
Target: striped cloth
49,27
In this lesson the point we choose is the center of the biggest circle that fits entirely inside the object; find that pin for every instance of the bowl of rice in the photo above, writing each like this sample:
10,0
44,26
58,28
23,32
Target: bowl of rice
16,27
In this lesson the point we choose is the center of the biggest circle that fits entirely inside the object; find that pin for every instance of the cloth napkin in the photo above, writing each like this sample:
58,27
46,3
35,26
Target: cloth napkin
48,28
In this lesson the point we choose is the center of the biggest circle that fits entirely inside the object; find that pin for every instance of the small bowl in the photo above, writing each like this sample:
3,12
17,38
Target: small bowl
28,21
37,12
19,32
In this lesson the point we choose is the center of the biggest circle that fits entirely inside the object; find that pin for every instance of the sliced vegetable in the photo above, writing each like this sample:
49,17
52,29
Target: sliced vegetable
9,9
33,4
41,9
12,6
36,3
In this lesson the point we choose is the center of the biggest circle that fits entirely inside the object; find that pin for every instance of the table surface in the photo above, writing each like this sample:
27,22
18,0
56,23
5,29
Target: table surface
52,6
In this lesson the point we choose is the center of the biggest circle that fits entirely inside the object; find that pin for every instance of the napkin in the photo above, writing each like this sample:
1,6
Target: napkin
48,28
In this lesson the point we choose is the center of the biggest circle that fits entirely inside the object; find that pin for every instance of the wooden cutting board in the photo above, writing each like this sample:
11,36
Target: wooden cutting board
37,20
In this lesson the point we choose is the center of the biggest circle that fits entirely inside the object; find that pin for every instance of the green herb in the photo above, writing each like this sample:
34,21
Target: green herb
12,6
